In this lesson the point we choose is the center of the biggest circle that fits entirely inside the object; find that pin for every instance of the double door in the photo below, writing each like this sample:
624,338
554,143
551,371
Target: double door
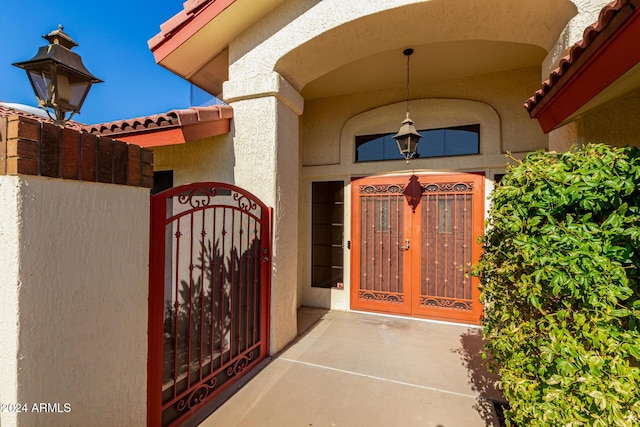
414,239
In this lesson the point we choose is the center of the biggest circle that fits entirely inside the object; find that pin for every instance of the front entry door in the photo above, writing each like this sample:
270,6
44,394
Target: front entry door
414,239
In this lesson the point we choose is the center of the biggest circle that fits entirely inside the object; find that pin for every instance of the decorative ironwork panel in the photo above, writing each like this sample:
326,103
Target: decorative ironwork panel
447,242
381,231
391,298
213,274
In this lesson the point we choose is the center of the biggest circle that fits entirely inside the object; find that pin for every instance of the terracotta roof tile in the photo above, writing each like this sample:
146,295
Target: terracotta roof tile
191,123
170,119
8,109
590,35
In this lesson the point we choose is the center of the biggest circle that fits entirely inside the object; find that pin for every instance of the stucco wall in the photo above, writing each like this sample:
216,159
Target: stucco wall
78,301
616,122
297,22
209,159
563,138
260,155
586,13
10,256
324,119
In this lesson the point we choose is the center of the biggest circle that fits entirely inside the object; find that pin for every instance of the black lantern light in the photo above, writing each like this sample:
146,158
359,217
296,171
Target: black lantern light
407,137
60,80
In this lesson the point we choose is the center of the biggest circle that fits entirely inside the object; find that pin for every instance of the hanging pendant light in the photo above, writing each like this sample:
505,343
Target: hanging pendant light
407,137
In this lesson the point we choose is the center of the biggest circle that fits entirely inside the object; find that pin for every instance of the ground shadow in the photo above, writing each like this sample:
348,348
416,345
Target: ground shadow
308,318
482,381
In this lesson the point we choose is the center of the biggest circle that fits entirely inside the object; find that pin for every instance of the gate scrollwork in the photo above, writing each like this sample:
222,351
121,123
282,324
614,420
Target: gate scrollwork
244,202
198,198
197,396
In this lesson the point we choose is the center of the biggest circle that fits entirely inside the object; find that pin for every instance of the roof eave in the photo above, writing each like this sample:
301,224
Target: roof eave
176,135
193,44
171,128
586,72
183,26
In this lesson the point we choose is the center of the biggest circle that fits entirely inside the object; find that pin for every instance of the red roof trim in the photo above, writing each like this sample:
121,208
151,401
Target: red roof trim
182,26
173,127
603,55
170,128
175,136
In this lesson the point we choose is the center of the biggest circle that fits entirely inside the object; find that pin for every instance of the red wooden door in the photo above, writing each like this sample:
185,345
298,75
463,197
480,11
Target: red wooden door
414,240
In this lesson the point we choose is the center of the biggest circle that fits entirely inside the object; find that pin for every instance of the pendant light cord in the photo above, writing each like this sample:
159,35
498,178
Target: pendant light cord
408,57
408,53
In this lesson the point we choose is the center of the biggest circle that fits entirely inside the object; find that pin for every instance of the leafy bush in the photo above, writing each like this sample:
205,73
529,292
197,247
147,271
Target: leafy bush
560,283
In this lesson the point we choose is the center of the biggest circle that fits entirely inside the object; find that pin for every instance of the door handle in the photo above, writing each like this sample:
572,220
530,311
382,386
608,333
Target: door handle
406,245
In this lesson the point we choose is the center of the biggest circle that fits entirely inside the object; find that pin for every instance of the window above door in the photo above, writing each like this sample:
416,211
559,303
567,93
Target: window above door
442,142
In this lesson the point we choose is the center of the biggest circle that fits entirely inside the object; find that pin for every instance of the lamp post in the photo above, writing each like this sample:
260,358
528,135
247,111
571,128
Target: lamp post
407,137
59,79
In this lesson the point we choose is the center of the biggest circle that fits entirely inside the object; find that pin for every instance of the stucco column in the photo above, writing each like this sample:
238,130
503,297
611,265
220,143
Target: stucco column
562,138
265,133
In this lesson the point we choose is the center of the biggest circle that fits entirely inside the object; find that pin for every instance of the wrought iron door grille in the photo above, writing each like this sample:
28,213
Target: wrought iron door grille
381,231
447,243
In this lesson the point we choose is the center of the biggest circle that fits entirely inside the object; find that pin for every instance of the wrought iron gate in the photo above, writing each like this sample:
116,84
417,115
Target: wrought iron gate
208,295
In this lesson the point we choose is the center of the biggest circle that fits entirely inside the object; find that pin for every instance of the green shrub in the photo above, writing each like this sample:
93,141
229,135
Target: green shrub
560,283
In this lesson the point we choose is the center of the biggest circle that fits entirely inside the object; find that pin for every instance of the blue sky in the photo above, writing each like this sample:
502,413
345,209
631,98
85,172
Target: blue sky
112,37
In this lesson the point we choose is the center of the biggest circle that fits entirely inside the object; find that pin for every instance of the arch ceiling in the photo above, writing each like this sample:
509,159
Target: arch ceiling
451,39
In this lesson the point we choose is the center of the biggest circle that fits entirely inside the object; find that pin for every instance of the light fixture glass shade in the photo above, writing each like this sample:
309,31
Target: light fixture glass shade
407,138
41,83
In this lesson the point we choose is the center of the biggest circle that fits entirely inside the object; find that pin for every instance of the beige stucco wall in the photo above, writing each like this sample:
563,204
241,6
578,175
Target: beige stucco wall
209,159
564,137
586,14
260,155
9,254
324,119
616,122
76,306
363,24
266,153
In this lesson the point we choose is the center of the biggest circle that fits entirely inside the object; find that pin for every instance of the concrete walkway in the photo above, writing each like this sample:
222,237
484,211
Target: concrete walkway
355,369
